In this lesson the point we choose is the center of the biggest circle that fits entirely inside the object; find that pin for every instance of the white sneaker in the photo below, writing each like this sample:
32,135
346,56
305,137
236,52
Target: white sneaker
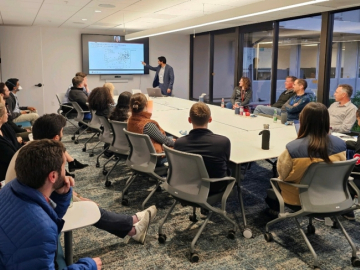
141,228
153,211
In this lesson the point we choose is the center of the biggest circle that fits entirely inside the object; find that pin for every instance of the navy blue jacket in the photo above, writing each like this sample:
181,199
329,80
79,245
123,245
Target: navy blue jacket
293,112
29,229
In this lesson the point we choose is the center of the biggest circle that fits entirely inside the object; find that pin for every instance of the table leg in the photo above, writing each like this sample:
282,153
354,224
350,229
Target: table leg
68,248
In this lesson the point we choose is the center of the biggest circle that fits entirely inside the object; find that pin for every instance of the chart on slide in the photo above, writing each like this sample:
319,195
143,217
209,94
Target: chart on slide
116,58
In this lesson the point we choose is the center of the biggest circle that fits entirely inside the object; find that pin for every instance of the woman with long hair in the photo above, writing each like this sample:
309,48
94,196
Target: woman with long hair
122,110
100,100
241,94
313,144
140,122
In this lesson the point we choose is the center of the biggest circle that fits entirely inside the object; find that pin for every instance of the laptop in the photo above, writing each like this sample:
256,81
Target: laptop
297,126
154,92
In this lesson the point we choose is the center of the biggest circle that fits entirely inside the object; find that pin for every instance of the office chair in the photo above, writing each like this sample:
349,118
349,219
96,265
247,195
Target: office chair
323,192
188,182
106,136
119,147
60,97
80,119
142,160
95,125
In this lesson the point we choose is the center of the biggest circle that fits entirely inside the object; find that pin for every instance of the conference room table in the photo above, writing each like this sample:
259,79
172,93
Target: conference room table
242,131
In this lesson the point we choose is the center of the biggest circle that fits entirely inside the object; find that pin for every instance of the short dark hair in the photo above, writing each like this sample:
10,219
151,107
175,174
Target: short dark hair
293,78
2,88
138,102
81,74
200,113
36,160
162,59
11,83
302,82
48,126
77,80
347,89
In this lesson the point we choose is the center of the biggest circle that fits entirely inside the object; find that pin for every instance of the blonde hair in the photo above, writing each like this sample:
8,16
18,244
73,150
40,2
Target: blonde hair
111,87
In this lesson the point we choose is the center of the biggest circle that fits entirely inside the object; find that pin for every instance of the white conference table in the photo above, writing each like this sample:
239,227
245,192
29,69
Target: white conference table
243,133
80,215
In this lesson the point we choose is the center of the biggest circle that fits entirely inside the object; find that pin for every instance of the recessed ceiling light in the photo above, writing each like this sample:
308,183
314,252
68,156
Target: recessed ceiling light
84,19
97,11
106,6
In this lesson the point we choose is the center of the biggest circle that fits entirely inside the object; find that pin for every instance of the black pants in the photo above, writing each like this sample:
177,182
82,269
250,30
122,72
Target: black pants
273,202
117,224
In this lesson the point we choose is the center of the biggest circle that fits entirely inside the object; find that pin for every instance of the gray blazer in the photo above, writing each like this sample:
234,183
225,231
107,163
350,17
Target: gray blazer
168,76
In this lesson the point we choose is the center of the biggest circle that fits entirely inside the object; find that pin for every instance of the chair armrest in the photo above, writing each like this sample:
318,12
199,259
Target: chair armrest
86,111
67,106
354,186
213,180
356,173
158,154
289,183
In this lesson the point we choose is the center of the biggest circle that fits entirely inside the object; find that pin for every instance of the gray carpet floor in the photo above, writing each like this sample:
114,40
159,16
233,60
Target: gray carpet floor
216,251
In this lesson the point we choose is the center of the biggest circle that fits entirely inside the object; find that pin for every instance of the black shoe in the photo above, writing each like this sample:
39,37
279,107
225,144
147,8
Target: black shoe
349,215
76,165
69,174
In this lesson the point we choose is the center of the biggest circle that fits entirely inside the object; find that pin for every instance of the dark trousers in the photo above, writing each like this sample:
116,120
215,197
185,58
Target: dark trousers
273,202
164,90
117,224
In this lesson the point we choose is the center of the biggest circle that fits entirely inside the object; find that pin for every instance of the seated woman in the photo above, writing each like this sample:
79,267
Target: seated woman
9,143
313,144
140,122
101,101
121,112
111,88
241,94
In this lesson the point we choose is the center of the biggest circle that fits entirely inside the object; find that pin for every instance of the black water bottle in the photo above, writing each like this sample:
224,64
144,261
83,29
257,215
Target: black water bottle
265,137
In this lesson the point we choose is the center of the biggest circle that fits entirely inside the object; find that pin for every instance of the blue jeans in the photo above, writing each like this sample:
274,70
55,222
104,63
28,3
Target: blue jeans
266,110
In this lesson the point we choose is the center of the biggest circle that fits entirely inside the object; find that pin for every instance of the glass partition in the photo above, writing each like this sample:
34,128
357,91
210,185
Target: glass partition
201,66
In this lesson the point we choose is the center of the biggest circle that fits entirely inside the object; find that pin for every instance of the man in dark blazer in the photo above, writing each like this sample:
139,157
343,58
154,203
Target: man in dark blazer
164,77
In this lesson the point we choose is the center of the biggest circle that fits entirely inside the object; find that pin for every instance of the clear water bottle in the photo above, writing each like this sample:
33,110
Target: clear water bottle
222,103
275,116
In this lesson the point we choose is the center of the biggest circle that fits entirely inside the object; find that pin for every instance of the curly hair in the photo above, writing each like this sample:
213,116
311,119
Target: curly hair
121,111
100,99
247,82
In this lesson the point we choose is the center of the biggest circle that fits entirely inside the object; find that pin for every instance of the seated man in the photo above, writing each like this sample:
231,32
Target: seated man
215,149
296,103
34,204
50,126
85,89
284,97
18,113
342,111
77,94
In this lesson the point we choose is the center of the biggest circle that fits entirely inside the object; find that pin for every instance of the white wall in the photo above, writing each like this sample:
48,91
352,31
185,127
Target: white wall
60,49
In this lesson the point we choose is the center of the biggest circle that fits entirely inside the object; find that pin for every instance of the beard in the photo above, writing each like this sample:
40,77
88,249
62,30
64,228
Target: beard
59,182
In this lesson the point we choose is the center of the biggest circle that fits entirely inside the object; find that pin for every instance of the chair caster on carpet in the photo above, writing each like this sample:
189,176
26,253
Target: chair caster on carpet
194,257
107,183
231,234
268,237
125,202
247,233
162,238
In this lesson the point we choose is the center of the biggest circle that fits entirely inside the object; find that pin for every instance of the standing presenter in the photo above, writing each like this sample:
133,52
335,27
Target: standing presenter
164,77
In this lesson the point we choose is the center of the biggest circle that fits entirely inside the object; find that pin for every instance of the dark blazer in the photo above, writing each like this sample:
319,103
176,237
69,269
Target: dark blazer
8,147
78,95
168,76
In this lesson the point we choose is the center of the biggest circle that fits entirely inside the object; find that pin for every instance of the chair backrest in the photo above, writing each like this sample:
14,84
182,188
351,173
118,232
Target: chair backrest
79,110
135,91
141,149
10,173
120,143
328,187
107,135
184,179
60,97
95,121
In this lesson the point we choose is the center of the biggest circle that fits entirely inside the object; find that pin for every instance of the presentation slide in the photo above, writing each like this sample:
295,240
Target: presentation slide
115,58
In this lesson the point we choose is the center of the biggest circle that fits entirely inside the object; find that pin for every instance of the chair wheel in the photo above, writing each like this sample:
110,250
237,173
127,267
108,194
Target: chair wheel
97,165
355,261
335,225
125,202
76,142
105,172
194,257
311,229
91,154
84,149
107,183
231,234
162,238
193,218
158,189
317,268
126,192
268,237
247,233
73,137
